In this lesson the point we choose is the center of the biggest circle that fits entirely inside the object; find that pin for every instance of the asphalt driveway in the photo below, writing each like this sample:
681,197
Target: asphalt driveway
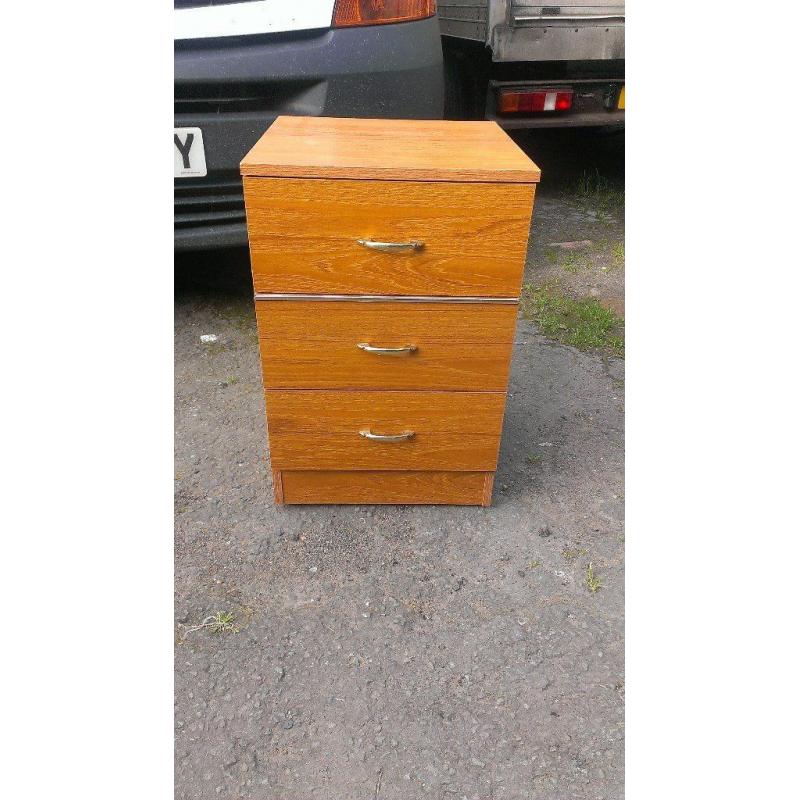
395,653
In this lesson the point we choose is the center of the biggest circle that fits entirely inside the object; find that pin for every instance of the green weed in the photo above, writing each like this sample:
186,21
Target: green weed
592,581
618,255
585,324
595,192
221,622
575,262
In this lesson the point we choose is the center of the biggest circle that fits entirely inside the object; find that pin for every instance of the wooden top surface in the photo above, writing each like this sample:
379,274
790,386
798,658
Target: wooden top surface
389,149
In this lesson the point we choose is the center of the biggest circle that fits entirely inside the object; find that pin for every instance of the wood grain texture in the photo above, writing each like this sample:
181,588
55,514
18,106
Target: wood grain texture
312,345
435,488
303,237
313,187
432,150
277,486
454,431
488,484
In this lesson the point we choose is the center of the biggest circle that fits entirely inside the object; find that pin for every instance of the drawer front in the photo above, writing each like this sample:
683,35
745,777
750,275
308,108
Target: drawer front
315,345
454,431
328,486
304,236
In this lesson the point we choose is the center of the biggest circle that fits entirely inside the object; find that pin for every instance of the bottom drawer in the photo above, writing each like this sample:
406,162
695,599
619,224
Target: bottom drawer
377,486
404,431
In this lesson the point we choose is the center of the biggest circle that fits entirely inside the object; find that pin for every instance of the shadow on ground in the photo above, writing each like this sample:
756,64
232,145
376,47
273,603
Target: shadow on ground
566,155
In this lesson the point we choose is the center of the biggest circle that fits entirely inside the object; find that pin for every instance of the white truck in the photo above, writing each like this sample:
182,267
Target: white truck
530,65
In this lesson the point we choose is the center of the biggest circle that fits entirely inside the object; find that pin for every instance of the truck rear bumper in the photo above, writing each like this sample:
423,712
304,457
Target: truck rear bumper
594,104
585,120
234,88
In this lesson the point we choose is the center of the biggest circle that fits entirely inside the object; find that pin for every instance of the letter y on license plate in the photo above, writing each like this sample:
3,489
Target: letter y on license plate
190,155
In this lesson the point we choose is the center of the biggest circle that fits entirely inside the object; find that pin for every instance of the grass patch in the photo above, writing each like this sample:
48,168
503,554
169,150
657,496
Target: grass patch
221,622
571,555
605,254
597,193
618,254
575,262
585,324
568,260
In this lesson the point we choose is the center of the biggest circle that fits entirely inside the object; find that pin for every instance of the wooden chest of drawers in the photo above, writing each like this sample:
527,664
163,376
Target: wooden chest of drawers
387,260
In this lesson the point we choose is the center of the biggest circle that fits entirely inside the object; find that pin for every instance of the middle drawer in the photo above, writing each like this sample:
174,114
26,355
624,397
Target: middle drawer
313,344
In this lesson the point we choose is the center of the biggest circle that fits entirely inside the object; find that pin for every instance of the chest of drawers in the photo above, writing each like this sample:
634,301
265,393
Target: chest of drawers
387,260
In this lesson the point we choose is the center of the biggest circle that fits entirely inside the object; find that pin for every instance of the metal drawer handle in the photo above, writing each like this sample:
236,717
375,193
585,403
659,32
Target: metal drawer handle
387,351
391,247
381,437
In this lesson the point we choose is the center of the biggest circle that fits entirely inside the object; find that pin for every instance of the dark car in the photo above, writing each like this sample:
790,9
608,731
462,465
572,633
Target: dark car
239,65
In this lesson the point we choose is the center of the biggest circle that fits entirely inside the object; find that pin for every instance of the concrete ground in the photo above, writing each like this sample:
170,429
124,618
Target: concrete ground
395,653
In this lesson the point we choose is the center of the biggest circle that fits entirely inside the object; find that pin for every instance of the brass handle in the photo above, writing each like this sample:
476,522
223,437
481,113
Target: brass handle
391,247
383,437
387,351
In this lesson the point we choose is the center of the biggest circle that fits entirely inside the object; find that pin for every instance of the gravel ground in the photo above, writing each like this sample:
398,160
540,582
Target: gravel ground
395,653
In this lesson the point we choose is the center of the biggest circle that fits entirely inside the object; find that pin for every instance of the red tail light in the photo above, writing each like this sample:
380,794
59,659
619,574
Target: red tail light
378,12
515,101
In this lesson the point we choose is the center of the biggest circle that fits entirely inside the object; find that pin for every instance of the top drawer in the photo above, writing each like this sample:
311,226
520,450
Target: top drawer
304,236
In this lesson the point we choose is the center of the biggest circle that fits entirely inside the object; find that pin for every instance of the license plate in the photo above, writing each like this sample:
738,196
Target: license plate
190,155
621,101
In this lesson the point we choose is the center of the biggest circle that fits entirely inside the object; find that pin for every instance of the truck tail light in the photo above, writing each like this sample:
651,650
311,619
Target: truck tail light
516,101
378,12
